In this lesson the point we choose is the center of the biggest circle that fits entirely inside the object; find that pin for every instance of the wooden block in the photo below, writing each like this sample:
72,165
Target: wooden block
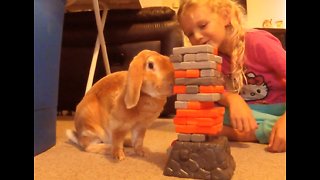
205,48
189,57
199,97
213,130
192,73
176,58
219,67
208,57
195,65
179,89
189,73
211,89
180,73
192,89
185,128
198,138
215,51
184,137
200,105
202,113
194,104
206,81
180,121
210,73
205,122
180,104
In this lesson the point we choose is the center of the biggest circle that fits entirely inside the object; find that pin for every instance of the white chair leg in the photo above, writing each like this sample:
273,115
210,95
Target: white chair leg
101,34
100,41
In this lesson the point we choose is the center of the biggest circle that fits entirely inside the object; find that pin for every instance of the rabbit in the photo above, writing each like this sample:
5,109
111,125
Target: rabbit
121,102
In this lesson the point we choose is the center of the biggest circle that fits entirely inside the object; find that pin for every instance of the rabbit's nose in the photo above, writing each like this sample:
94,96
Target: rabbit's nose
171,85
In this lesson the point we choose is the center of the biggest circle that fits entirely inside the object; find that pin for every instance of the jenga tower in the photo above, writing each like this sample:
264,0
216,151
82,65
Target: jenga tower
198,85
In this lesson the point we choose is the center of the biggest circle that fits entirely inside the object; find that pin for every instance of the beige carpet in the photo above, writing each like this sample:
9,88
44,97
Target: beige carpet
64,161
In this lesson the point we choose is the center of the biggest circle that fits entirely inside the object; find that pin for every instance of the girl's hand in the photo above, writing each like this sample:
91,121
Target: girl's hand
277,141
240,114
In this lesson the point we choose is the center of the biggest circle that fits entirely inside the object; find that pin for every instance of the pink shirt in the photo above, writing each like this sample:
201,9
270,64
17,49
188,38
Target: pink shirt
265,61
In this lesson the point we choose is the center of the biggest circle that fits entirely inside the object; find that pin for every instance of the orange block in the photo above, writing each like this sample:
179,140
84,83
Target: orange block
189,129
215,51
189,73
193,73
180,121
219,67
211,89
201,113
200,105
204,122
180,73
179,89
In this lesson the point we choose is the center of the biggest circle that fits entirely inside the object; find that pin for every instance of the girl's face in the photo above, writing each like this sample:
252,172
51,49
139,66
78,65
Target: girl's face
202,26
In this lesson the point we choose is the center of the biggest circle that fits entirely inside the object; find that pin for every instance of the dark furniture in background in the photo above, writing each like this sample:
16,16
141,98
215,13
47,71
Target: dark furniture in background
127,32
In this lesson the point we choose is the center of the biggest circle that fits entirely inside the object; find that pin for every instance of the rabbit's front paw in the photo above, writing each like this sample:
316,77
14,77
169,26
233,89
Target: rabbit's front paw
119,154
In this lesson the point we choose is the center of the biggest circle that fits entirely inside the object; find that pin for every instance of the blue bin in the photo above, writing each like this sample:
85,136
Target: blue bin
48,27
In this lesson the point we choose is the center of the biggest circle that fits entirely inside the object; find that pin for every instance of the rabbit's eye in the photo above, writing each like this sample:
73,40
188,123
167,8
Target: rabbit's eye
150,65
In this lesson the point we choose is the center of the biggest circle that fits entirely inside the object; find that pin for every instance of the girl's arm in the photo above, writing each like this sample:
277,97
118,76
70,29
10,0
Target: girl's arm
277,141
240,113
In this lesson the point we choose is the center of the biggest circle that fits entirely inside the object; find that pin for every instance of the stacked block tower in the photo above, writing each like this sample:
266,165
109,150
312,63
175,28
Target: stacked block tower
199,152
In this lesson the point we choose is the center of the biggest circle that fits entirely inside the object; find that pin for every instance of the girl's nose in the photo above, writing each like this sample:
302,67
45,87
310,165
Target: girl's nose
198,36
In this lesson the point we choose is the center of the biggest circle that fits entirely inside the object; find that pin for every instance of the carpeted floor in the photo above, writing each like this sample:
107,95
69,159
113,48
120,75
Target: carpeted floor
64,161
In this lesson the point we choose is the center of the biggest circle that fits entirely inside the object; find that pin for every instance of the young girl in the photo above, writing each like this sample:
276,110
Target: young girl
254,62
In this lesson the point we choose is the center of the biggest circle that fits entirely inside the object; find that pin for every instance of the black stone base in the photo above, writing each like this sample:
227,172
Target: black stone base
201,160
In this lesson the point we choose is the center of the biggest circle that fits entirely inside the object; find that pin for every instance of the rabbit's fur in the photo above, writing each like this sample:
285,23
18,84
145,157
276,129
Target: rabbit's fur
122,102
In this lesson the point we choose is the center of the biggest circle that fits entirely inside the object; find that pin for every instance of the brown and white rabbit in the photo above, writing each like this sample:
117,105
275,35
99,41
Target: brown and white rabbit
122,102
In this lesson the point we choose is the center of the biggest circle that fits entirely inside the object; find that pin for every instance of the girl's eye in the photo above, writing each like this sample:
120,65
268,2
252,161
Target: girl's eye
189,35
202,26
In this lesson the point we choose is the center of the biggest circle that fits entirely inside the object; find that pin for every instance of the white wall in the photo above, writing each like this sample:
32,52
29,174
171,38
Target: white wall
148,3
174,4
259,10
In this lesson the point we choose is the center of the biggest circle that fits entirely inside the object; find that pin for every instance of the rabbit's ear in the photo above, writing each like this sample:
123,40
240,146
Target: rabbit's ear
134,80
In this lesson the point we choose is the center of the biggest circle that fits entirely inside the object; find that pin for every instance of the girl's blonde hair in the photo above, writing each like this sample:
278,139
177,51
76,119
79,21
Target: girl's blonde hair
236,29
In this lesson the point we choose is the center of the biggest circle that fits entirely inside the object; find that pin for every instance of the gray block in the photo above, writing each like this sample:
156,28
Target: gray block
192,89
180,104
208,57
189,57
198,138
176,58
200,81
184,137
210,73
199,97
205,48
195,65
